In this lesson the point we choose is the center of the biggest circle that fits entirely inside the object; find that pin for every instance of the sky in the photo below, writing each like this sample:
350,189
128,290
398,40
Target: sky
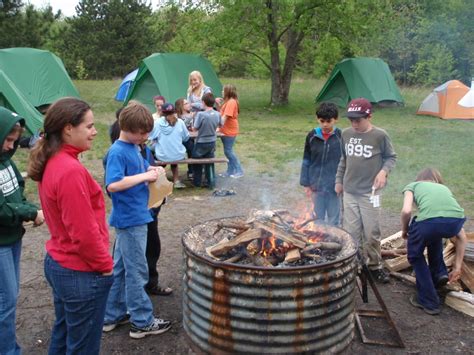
67,7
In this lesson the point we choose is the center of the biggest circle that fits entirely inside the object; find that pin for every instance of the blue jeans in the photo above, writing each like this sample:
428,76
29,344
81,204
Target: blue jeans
79,305
130,276
201,151
327,206
233,167
9,287
429,234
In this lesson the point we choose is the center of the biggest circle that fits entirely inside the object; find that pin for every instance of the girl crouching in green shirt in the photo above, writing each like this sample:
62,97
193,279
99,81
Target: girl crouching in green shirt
439,216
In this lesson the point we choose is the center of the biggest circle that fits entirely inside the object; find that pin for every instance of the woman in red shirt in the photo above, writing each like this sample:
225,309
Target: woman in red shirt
230,130
78,265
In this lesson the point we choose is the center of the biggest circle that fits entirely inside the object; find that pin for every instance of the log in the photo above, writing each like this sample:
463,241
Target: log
397,264
467,274
292,255
394,253
208,249
395,241
407,278
461,301
253,248
323,246
233,225
259,260
247,236
234,258
279,233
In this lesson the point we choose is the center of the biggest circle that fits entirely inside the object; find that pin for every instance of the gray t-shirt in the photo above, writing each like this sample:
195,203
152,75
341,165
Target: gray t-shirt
364,155
206,122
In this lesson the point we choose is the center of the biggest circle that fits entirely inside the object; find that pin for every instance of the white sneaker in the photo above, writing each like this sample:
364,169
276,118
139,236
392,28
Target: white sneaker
237,175
179,185
158,326
111,326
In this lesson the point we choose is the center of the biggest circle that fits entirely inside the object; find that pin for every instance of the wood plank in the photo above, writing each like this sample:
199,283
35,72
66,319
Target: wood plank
395,241
397,264
292,255
467,274
461,301
407,278
193,161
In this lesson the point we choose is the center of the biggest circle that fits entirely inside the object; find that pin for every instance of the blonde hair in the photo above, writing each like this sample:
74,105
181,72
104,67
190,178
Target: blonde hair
197,74
430,174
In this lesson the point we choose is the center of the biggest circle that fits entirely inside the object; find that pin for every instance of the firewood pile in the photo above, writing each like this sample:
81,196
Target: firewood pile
461,296
273,239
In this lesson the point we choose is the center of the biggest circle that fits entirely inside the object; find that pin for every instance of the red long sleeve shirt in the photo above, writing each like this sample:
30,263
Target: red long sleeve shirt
74,209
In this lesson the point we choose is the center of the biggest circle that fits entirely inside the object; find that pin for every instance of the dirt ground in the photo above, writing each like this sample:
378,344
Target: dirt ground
450,332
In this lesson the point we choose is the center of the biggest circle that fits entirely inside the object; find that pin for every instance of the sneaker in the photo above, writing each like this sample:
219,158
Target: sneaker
237,175
442,281
414,302
111,326
157,327
380,275
179,185
224,175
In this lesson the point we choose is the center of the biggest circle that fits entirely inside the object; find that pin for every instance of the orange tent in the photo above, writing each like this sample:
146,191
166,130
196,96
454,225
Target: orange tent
443,102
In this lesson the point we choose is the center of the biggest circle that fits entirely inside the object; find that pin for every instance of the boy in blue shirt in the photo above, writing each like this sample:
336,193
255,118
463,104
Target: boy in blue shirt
127,177
322,152
206,123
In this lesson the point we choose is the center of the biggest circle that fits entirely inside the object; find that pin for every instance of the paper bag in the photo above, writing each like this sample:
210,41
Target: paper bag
159,190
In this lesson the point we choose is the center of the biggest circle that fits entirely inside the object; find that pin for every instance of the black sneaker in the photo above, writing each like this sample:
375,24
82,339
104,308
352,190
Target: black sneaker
111,326
380,275
431,312
442,281
157,327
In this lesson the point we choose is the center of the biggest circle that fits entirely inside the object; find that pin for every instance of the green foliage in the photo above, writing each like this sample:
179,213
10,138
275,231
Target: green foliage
81,72
435,66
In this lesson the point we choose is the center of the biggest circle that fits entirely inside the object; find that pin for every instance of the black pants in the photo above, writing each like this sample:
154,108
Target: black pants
153,249
201,151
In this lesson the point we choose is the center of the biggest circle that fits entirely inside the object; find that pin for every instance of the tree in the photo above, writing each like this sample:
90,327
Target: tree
107,38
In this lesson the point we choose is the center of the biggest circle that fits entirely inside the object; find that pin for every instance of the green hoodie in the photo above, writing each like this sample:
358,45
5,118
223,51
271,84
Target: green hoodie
14,209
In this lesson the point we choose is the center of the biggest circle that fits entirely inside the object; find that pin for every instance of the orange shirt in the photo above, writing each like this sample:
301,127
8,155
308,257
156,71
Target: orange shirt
231,125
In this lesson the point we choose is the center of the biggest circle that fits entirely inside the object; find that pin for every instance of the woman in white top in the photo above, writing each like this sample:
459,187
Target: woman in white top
196,90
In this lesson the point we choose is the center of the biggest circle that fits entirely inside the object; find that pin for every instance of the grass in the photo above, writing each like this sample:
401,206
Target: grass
272,138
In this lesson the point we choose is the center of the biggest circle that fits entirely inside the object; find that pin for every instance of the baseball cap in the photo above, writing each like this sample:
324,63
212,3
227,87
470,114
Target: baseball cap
358,108
168,108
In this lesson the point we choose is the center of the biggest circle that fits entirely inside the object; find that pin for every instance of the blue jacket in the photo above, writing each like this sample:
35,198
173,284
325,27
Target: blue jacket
320,160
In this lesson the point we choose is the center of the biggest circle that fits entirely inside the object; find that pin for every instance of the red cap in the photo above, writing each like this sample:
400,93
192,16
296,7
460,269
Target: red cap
358,108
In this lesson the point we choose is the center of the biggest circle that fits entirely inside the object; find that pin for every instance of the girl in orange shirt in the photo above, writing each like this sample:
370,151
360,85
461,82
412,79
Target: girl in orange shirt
230,130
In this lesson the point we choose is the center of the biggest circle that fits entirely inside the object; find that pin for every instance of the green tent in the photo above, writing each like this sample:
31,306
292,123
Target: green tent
39,75
14,100
167,74
361,77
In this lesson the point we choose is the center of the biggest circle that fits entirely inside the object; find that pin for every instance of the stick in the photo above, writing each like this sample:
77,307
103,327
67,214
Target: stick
403,277
322,245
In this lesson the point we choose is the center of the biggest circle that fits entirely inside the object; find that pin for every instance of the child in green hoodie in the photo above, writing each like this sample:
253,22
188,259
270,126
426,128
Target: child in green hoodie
14,210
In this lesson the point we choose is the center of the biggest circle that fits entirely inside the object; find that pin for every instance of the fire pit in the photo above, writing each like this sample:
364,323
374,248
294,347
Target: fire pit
286,294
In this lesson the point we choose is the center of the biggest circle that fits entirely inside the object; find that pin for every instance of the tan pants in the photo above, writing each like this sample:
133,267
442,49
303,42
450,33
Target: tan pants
362,221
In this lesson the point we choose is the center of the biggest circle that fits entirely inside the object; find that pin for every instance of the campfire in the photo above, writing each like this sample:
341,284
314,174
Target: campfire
268,283
273,239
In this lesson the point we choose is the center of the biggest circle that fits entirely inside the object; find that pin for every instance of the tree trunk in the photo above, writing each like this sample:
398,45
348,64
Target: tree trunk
281,82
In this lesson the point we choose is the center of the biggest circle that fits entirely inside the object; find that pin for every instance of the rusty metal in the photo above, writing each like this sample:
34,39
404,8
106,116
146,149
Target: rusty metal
365,278
231,308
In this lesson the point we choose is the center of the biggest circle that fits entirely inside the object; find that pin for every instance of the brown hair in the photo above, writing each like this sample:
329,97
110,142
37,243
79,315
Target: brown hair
17,128
135,118
430,174
209,99
179,106
230,92
68,110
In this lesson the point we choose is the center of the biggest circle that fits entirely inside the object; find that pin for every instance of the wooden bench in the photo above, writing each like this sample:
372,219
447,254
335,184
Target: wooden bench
207,162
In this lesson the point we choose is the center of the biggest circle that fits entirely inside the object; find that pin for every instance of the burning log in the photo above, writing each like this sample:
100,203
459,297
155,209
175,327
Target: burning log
247,236
323,246
233,225
273,229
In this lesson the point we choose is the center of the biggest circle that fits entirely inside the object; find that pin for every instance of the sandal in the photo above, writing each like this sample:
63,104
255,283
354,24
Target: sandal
159,291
